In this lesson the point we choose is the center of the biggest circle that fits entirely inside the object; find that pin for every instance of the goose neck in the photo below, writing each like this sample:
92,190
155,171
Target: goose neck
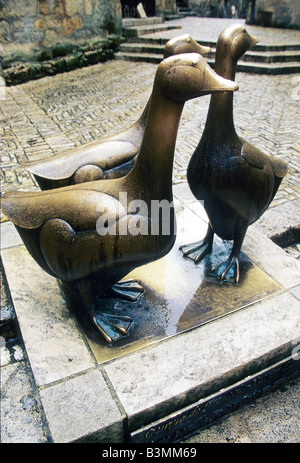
154,166
143,117
220,114
225,64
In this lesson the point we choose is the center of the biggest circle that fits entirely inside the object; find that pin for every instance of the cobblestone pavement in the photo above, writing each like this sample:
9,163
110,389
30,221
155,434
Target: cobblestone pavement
48,116
45,117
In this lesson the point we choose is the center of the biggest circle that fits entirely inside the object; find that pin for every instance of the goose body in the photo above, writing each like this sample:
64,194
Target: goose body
236,181
60,227
109,157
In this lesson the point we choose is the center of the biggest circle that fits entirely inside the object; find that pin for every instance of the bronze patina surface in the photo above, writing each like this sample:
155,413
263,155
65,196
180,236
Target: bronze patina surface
112,156
60,227
236,180
180,295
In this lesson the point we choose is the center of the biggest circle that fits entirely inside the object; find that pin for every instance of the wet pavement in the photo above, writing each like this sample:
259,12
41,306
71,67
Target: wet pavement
48,116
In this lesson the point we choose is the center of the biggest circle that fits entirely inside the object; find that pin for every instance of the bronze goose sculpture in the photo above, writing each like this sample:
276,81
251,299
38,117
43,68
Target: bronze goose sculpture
109,157
236,180
64,228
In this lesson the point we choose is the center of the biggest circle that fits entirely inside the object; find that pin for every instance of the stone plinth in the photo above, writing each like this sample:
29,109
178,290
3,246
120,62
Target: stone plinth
198,348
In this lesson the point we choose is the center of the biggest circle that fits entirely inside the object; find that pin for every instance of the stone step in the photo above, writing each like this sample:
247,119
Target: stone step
253,56
262,58
243,66
139,57
135,22
183,12
269,68
137,31
171,17
272,57
276,47
139,47
264,68
266,57
260,47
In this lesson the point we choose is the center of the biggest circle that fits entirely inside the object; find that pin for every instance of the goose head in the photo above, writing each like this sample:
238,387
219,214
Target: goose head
184,44
183,77
233,42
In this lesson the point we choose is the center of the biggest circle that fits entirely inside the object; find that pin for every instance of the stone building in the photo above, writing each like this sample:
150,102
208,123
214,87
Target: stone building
46,37
219,8
46,22
280,13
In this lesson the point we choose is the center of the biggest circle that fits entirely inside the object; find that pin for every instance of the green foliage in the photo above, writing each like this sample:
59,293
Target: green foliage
62,57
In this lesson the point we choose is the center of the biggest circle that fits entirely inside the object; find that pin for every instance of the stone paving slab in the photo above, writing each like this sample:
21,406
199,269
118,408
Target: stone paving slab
208,29
22,417
155,380
82,409
50,359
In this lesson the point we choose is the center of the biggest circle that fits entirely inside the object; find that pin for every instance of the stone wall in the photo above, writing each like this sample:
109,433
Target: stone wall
280,13
219,8
151,7
46,22
276,13
47,37
162,5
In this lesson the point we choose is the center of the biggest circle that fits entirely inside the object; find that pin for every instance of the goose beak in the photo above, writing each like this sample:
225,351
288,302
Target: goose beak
253,40
213,83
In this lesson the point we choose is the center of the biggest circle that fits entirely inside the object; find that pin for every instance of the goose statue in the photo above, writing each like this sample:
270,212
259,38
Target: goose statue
236,181
91,235
109,157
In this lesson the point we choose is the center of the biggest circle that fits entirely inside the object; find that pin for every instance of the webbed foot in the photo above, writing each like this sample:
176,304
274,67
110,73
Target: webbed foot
130,290
229,270
196,251
112,327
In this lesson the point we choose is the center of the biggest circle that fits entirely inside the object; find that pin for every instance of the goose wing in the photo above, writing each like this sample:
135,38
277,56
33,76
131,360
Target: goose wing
105,155
256,158
80,207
